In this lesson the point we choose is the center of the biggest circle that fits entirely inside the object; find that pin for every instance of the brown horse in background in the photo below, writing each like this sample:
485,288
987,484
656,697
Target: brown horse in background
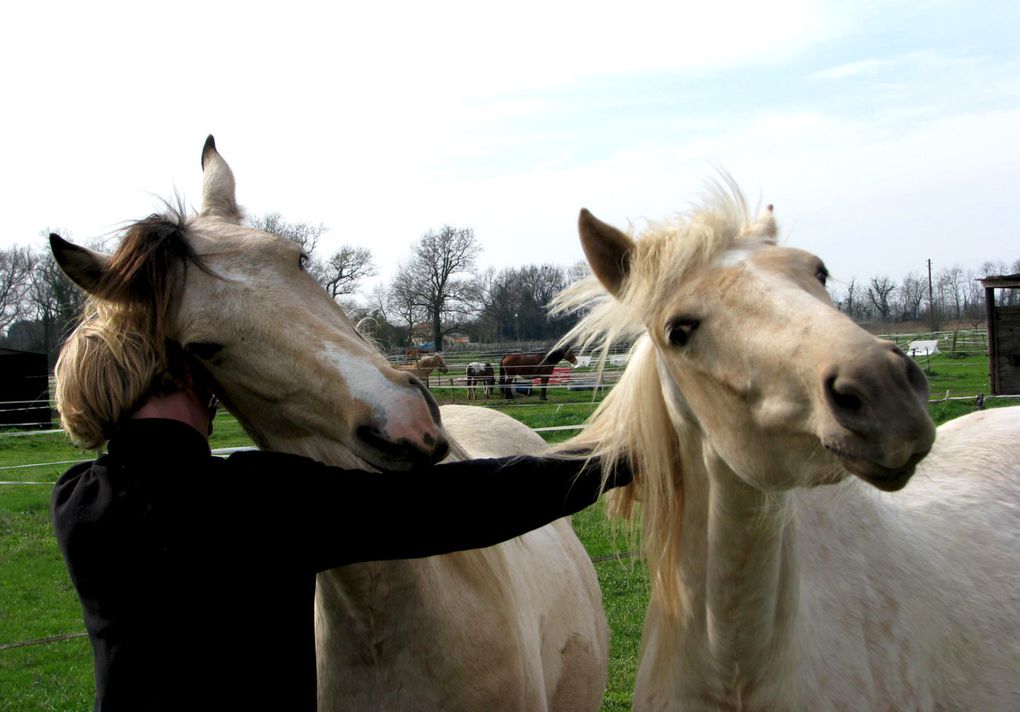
531,366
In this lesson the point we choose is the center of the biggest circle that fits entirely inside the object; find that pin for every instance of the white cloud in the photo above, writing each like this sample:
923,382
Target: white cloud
920,60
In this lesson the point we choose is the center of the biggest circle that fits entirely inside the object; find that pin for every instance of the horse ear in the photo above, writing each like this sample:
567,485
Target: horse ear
764,227
608,250
84,267
217,185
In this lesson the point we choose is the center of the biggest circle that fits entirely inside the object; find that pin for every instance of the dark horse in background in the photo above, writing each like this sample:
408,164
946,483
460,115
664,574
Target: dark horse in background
530,366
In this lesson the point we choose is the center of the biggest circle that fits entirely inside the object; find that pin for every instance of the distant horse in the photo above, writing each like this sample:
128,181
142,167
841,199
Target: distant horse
424,366
518,626
530,366
480,374
413,353
771,434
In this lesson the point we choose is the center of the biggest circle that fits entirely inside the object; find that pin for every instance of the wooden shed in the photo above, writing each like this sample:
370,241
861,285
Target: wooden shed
1003,310
24,388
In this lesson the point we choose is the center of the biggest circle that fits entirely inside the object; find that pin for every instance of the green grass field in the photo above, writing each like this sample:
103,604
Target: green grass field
37,601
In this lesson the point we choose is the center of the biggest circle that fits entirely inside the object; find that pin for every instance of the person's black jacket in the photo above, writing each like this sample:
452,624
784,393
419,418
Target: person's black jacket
197,573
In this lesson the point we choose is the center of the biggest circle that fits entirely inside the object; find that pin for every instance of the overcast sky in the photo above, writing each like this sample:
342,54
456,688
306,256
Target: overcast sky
885,133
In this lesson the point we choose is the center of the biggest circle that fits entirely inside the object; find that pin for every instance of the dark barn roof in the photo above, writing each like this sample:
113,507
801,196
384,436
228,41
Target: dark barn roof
1001,280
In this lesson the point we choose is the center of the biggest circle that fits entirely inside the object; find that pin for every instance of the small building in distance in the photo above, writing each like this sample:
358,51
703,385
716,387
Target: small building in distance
24,389
1002,304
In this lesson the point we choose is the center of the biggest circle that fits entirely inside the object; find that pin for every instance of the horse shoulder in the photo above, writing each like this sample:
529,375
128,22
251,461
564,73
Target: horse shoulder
904,591
574,638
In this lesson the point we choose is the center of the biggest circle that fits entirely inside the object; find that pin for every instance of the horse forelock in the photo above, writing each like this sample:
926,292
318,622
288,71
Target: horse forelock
669,253
142,285
665,256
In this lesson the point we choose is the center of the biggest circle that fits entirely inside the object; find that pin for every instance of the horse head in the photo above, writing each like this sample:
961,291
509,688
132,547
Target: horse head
440,364
746,347
283,356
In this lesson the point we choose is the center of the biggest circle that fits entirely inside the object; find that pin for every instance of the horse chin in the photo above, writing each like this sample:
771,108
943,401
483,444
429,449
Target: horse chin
382,454
887,479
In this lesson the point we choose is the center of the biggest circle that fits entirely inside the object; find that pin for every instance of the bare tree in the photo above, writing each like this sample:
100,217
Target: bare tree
539,284
577,271
306,235
950,282
53,300
377,308
912,295
341,273
880,291
438,276
499,299
15,279
849,303
404,301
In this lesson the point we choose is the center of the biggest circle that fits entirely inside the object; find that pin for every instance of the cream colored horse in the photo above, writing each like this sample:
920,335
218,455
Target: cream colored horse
518,626
424,366
772,435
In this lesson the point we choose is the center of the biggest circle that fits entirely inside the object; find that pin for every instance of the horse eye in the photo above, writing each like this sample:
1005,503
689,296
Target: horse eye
680,331
303,261
203,349
822,275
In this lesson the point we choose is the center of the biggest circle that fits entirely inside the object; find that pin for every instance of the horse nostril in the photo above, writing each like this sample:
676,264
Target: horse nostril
441,450
841,397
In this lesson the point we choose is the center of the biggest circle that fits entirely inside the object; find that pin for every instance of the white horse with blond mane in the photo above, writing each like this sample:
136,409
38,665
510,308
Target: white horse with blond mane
518,626
771,434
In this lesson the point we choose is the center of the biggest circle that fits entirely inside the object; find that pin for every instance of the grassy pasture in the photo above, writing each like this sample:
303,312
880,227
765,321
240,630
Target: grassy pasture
37,601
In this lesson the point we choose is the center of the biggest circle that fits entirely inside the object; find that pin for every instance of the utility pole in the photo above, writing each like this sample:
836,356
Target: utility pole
931,301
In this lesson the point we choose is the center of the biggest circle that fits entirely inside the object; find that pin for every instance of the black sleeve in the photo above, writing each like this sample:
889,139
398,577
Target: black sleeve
348,516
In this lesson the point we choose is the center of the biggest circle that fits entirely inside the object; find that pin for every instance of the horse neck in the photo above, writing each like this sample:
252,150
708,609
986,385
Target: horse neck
361,591
734,637
553,357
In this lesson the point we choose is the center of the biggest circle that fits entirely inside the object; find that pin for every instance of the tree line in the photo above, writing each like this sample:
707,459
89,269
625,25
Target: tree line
952,294
439,293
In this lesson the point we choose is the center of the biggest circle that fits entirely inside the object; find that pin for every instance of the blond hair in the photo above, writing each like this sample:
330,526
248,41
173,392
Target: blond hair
124,348
102,374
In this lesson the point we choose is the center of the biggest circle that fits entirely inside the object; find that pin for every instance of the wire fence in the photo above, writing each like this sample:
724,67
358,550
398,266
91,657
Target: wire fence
954,341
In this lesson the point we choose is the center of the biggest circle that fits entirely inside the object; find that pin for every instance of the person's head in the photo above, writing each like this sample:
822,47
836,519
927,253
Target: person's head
105,373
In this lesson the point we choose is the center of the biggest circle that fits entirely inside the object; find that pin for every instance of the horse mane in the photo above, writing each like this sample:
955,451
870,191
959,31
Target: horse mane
556,355
633,421
142,280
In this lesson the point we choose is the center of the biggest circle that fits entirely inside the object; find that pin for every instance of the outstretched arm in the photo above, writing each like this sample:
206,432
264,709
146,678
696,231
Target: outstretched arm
355,516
